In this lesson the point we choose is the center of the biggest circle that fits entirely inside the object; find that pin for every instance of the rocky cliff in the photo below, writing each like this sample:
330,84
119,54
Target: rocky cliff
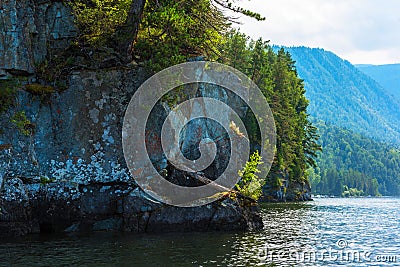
30,30
67,172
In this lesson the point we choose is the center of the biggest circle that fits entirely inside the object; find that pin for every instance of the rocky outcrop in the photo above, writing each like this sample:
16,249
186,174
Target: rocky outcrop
70,174
299,191
67,207
287,190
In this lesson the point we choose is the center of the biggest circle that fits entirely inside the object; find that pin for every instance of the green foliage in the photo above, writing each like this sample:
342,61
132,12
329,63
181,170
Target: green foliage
250,184
339,182
386,75
353,160
363,113
54,70
289,107
174,30
97,20
235,52
311,145
352,192
174,97
171,31
229,4
276,76
343,95
22,123
45,180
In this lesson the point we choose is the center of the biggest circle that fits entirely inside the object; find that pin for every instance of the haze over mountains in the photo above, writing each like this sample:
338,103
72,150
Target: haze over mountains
341,94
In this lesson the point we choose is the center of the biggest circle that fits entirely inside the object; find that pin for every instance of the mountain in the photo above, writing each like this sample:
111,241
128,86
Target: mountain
358,123
386,75
342,95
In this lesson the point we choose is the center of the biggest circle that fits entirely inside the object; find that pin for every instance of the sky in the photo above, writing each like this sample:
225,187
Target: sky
360,31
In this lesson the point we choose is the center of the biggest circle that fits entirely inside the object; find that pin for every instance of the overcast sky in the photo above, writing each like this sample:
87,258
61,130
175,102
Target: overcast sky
361,31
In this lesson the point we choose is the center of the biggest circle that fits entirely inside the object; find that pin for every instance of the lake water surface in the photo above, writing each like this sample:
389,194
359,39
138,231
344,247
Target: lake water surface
325,232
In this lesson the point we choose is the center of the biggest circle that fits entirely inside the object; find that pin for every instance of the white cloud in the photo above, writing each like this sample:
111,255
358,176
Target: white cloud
361,31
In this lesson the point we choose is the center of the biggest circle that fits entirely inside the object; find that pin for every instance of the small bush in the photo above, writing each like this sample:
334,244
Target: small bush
25,126
38,89
45,180
97,20
251,185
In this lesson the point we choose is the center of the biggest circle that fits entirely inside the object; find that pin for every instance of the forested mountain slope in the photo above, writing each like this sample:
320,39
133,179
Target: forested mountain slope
386,75
358,121
341,94
355,161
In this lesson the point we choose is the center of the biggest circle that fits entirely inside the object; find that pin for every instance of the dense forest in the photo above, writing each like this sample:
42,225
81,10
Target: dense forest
276,76
352,164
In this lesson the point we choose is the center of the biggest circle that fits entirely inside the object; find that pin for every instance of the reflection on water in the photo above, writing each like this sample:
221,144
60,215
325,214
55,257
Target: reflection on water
294,234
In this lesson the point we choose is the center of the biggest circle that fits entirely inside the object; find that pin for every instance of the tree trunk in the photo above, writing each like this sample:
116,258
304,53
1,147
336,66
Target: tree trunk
127,33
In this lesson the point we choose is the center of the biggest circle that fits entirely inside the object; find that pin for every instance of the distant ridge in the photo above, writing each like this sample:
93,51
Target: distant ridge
387,75
341,94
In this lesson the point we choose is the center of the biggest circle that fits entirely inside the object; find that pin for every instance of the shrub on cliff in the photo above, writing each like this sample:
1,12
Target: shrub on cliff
250,184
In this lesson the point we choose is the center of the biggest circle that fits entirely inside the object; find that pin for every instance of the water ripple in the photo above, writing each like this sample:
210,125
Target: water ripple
291,234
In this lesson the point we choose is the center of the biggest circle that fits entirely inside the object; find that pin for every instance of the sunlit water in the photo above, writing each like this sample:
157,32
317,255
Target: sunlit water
325,232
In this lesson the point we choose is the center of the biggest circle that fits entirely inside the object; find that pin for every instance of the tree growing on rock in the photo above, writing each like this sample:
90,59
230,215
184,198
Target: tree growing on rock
173,29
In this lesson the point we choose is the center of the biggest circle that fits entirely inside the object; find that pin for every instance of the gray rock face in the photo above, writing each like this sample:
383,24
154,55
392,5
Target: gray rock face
77,135
30,29
70,174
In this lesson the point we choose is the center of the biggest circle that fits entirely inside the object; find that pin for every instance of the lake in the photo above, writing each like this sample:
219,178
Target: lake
324,232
